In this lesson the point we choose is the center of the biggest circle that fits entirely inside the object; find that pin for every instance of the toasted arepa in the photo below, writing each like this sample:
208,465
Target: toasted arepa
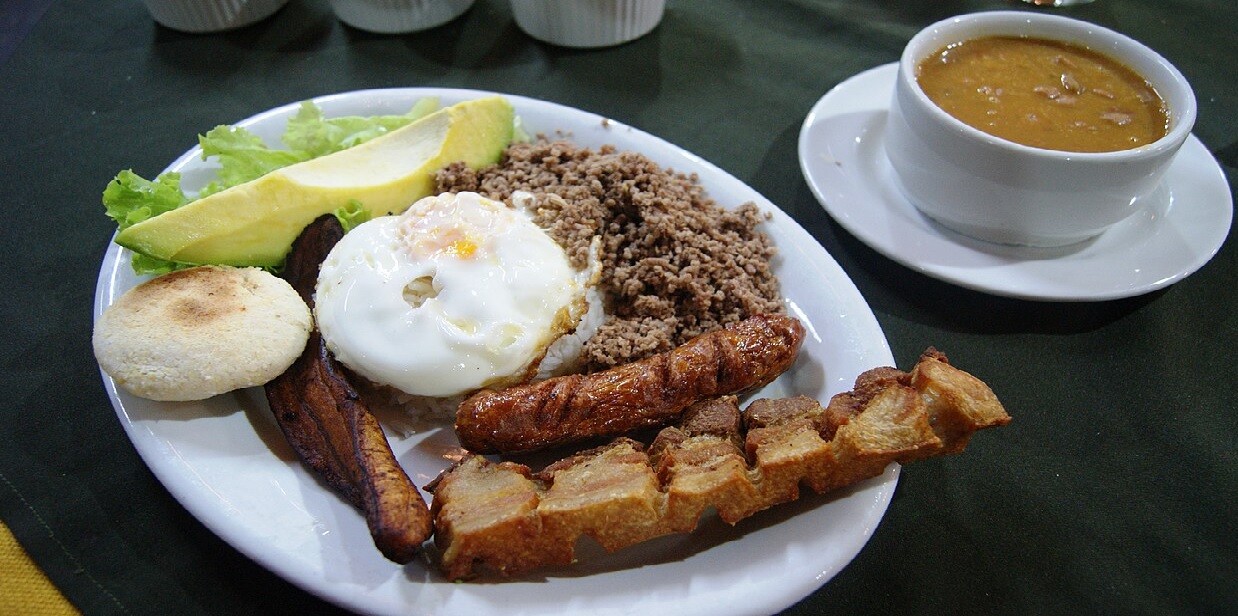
203,331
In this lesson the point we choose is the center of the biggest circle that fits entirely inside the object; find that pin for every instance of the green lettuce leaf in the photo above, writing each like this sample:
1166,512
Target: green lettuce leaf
242,156
130,199
145,265
310,132
352,215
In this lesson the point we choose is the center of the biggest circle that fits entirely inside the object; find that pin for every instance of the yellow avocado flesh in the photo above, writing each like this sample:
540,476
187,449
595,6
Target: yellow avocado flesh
256,222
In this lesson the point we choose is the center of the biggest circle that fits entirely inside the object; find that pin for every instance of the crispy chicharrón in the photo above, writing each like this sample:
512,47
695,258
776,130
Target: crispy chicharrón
500,517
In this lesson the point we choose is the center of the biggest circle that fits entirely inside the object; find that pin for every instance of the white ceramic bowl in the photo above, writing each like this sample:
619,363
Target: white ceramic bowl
199,16
587,23
398,16
996,190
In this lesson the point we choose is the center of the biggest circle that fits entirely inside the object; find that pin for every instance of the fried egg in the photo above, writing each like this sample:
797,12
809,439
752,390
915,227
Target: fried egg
457,293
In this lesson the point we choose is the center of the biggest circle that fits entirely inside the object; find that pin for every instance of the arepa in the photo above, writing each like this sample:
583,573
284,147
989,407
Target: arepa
203,331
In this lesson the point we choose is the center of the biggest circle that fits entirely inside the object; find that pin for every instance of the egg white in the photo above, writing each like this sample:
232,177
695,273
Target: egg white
457,293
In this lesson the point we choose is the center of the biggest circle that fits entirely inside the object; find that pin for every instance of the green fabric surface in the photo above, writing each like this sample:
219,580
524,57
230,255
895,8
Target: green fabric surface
1115,489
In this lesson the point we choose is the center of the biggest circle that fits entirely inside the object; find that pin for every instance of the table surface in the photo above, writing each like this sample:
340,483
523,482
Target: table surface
1114,490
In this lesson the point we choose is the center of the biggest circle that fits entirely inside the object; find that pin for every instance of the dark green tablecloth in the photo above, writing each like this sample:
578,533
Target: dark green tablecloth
1115,490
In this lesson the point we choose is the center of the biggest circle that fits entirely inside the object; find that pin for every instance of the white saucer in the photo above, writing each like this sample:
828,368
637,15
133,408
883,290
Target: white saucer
844,162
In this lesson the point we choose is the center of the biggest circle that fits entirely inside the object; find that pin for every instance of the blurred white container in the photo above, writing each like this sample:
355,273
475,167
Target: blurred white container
1058,2
398,16
587,23
211,15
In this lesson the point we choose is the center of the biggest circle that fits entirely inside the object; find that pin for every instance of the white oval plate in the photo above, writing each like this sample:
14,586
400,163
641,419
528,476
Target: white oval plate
226,461
843,159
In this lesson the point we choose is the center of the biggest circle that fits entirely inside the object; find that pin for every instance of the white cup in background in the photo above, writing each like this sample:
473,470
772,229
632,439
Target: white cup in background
398,16
996,190
587,23
199,16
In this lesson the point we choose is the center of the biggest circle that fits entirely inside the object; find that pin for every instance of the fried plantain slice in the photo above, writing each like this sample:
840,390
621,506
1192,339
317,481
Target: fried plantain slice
331,429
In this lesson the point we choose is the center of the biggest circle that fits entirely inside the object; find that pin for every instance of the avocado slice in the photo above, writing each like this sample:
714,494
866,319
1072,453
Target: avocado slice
254,224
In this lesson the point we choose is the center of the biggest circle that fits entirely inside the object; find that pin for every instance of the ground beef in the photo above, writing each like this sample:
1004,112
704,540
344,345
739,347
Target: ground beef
675,264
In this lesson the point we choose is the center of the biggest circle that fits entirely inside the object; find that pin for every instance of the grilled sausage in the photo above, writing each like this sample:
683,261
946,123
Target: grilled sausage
742,357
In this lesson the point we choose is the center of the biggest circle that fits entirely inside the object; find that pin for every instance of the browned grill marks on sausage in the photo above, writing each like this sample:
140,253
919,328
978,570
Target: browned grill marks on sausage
739,358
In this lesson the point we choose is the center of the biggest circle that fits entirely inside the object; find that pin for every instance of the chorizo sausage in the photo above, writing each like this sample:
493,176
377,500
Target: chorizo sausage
739,358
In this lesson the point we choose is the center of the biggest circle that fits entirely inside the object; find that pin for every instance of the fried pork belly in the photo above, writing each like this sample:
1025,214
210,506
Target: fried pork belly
503,518
333,432
741,357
